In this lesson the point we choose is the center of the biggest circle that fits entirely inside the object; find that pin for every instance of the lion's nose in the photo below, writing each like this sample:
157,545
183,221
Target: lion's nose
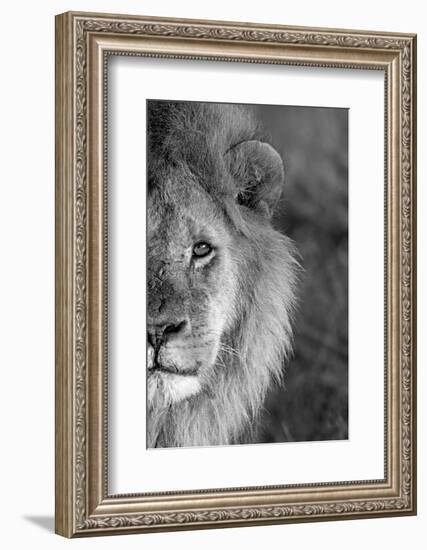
160,334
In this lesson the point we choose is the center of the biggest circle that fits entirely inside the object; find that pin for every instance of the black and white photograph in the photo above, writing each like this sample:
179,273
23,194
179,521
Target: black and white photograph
247,274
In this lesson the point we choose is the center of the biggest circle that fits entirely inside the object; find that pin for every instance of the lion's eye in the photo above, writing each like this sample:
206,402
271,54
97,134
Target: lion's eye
201,249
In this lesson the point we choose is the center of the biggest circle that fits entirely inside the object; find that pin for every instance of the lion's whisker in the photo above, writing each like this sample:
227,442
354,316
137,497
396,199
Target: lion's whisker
230,350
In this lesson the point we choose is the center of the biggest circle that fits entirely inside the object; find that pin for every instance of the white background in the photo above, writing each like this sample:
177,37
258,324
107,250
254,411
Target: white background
27,267
133,468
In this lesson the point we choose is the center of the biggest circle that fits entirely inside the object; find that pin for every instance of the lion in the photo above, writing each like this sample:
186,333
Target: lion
221,280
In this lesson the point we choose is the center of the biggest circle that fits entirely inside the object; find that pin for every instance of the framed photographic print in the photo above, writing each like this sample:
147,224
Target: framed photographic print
235,274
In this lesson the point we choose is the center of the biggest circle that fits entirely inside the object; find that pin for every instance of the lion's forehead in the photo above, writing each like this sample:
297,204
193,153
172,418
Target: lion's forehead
177,218
171,231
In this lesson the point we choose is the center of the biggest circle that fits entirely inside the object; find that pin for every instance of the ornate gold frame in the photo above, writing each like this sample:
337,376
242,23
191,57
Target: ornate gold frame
83,41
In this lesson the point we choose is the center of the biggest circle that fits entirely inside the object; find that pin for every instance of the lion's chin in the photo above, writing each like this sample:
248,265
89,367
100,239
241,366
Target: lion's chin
167,388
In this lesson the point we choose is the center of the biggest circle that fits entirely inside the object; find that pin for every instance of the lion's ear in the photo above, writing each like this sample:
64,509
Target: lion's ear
258,171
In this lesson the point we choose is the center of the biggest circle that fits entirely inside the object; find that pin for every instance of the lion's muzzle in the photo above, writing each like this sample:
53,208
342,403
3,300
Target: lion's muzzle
163,337
161,333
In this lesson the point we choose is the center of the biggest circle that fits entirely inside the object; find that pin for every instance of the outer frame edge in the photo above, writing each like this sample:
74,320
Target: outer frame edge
63,278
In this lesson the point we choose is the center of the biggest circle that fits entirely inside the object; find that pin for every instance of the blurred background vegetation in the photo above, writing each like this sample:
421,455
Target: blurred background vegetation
312,404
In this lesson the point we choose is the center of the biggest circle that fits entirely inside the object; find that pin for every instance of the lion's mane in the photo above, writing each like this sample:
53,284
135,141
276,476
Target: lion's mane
254,352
